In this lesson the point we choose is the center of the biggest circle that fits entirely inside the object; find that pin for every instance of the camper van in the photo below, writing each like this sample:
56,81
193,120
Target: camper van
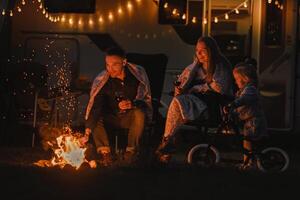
48,46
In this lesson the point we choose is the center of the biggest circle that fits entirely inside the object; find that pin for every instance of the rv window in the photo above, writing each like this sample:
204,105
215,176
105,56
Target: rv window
67,6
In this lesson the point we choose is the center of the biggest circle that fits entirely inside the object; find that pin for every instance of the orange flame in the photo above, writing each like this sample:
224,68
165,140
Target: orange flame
69,151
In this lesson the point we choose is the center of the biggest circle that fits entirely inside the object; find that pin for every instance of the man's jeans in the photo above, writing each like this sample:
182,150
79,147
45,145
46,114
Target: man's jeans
133,120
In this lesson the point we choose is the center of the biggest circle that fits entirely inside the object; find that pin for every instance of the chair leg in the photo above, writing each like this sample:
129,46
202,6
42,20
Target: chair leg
34,118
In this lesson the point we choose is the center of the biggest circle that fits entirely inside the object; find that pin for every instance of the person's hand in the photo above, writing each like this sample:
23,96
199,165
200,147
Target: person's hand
177,91
216,87
125,105
83,140
228,109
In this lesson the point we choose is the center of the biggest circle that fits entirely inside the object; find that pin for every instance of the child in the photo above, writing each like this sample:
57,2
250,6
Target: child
248,109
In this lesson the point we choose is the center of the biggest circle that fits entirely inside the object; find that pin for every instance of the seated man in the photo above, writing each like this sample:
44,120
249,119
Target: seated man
120,98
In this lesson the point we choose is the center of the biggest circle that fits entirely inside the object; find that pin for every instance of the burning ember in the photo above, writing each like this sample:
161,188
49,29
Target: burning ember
68,150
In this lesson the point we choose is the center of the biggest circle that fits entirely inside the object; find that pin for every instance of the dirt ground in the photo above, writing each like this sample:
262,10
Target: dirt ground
20,179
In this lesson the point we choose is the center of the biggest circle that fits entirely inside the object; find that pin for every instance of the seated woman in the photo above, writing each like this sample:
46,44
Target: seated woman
199,87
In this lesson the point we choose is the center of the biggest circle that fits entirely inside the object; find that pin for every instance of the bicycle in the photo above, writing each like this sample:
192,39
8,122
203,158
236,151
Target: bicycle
267,158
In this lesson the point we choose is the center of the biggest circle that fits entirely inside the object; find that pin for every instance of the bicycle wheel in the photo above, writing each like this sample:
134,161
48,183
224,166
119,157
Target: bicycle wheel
273,159
203,155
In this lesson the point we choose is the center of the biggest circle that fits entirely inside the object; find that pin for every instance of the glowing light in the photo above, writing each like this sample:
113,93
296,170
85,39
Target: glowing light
237,11
184,16
129,5
44,11
23,2
39,1
269,1
205,21
3,12
47,15
120,11
41,6
174,12
71,22
216,19
226,16
276,2
110,16
19,9
91,22
100,19
245,4
63,18
79,22
11,13
194,20
281,7
166,5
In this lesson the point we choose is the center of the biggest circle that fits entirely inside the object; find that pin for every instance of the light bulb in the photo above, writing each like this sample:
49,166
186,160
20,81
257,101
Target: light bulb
110,16
174,12
166,5
205,21
120,11
129,5
183,16
216,19
71,21
226,16
194,20
100,19
237,11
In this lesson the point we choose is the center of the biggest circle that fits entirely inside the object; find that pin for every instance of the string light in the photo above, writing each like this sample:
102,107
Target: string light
91,22
269,1
129,5
194,20
110,16
205,20
100,20
174,12
166,5
216,20
3,12
79,22
120,11
184,16
234,10
63,18
226,16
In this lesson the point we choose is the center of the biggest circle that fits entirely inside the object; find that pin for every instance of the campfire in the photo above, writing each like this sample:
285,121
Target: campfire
67,151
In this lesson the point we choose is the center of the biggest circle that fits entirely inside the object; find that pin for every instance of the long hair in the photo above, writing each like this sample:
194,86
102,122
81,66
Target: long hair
214,56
